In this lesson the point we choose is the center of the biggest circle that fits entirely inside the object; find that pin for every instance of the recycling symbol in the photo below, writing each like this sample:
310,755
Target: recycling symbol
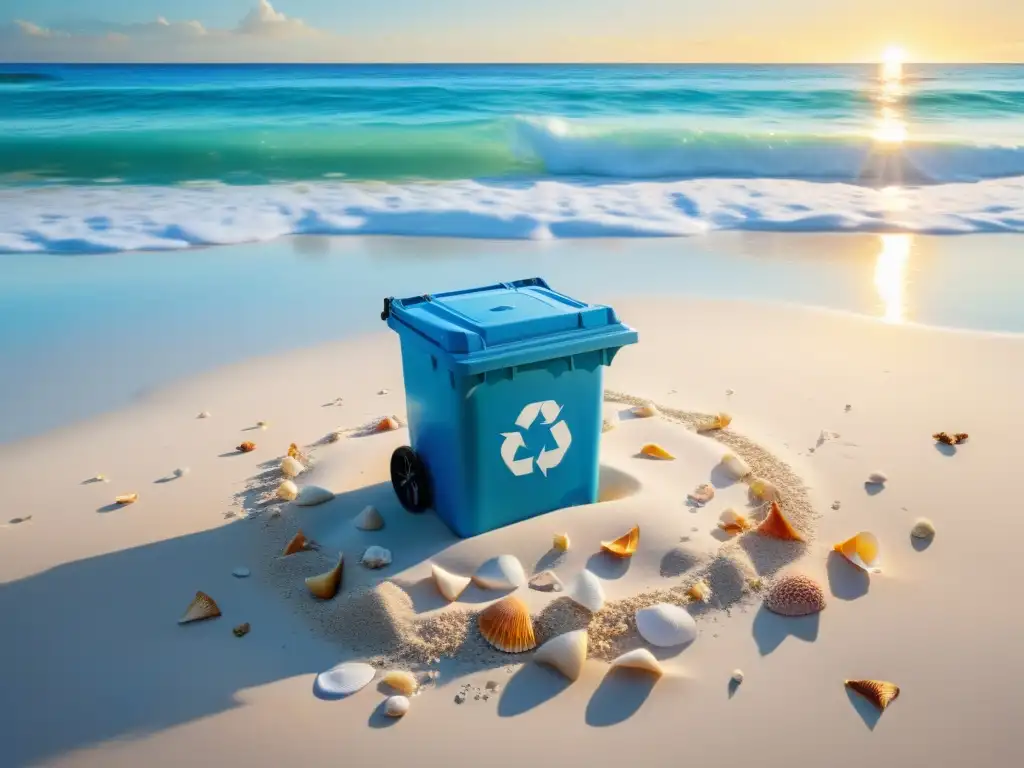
546,459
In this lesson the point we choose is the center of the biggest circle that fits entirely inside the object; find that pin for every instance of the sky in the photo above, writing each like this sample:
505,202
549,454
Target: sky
509,30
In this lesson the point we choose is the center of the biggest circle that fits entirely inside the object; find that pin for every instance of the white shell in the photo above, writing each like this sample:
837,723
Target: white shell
586,590
645,411
396,706
311,495
288,491
204,415
240,572
737,676
731,517
181,471
546,581
450,585
501,572
369,520
735,466
566,653
665,625
376,557
878,478
345,679
291,467
641,658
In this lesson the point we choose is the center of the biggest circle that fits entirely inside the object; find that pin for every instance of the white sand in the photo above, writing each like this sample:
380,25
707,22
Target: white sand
96,671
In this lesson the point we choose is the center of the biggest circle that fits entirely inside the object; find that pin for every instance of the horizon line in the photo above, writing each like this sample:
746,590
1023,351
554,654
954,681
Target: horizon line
512,63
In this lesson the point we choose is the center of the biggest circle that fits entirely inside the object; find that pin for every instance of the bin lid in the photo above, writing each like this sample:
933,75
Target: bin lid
510,324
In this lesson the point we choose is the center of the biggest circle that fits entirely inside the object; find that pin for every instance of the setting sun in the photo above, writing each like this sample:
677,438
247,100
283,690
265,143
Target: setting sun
892,63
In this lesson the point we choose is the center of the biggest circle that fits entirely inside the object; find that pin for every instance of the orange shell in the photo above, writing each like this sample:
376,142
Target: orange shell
202,607
326,585
507,626
386,424
247,447
298,543
777,526
625,545
655,451
878,692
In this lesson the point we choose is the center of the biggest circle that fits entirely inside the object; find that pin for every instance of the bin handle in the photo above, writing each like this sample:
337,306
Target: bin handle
387,310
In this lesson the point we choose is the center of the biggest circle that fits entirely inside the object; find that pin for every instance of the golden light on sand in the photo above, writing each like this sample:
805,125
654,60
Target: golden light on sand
891,275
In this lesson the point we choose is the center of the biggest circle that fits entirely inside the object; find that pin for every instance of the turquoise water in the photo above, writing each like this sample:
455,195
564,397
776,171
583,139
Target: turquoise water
162,157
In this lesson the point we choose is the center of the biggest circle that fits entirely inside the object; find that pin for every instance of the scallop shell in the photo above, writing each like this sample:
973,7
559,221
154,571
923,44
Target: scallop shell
345,679
326,585
641,659
291,467
665,625
625,545
700,591
246,447
878,692
386,424
311,495
861,550
241,630
719,421
546,581
376,557
449,584
923,529
501,572
566,653
655,451
288,491
128,498
586,590
298,543
877,478
732,521
735,466
702,494
763,490
776,526
507,625
202,607
561,542
646,411
396,706
401,681
794,595
369,519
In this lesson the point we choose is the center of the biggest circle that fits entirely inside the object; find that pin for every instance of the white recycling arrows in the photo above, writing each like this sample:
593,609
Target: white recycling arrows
546,460
513,442
551,459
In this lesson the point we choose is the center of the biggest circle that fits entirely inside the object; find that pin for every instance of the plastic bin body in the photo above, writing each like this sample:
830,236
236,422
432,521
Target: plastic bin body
504,386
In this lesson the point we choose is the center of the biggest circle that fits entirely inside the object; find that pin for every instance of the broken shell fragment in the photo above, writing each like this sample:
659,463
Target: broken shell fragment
647,411
961,437
386,424
241,630
795,595
702,494
246,447
566,653
291,467
202,607
737,676
345,679
877,478
401,681
641,659
326,585
943,438
311,495
507,626
561,542
298,543
376,557
861,550
700,591
776,526
369,519
923,529
625,545
586,590
763,490
736,467
501,572
665,625
450,585
127,498
732,521
546,581
878,692
396,706
288,491
718,421
655,451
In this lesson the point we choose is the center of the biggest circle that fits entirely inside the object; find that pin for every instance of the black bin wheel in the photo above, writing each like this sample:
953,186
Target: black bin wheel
410,479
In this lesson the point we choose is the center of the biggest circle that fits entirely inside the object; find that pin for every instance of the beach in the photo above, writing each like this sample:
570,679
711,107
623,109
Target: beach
99,672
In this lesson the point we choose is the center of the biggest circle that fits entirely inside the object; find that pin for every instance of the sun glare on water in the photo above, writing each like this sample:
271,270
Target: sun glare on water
892,63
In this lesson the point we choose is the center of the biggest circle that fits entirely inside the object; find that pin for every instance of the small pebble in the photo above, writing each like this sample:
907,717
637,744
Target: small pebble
181,471
737,675
262,424
459,698
241,572
491,685
849,407
382,392
241,630
835,504
878,478
923,529
729,392
204,415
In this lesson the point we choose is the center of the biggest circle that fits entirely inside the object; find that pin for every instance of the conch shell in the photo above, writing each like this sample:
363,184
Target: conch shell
291,467
861,550
641,659
561,542
288,491
655,451
202,607
625,545
386,424
732,521
878,692
128,498
449,584
700,591
645,411
566,653
401,681
298,543
246,447
507,625
719,421
326,585
777,526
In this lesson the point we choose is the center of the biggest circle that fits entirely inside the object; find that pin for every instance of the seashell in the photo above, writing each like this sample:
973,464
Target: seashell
288,491
401,681
777,526
625,545
719,421
546,581
700,591
386,424
298,543
655,451
291,467
737,676
501,572
241,572
877,478
702,494
735,466
861,550
202,607
763,490
561,542
794,595
345,679
449,584
325,586
369,519
295,453
646,411
923,529
732,521
241,630
641,659
376,557
311,495
586,590
878,692
396,706
566,653
665,625
127,498
246,447
180,472
507,625
203,415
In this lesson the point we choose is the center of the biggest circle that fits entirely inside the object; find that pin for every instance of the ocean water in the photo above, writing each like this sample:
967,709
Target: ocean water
113,158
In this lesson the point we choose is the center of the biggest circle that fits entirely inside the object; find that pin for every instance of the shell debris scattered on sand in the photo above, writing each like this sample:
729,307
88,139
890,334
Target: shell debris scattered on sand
312,495
345,679
247,447
861,550
501,572
655,451
287,491
396,706
641,659
567,653
202,607
401,681
718,421
736,467
702,494
646,411
326,585
241,630
951,439
291,467
450,585
369,519
878,692
923,528
546,581
126,498
586,590
732,521
507,625
795,595
376,557
700,591
298,543
777,526
665,625
561,542
625,545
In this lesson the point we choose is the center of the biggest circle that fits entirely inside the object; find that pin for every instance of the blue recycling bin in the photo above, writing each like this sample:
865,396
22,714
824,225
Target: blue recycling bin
503,392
